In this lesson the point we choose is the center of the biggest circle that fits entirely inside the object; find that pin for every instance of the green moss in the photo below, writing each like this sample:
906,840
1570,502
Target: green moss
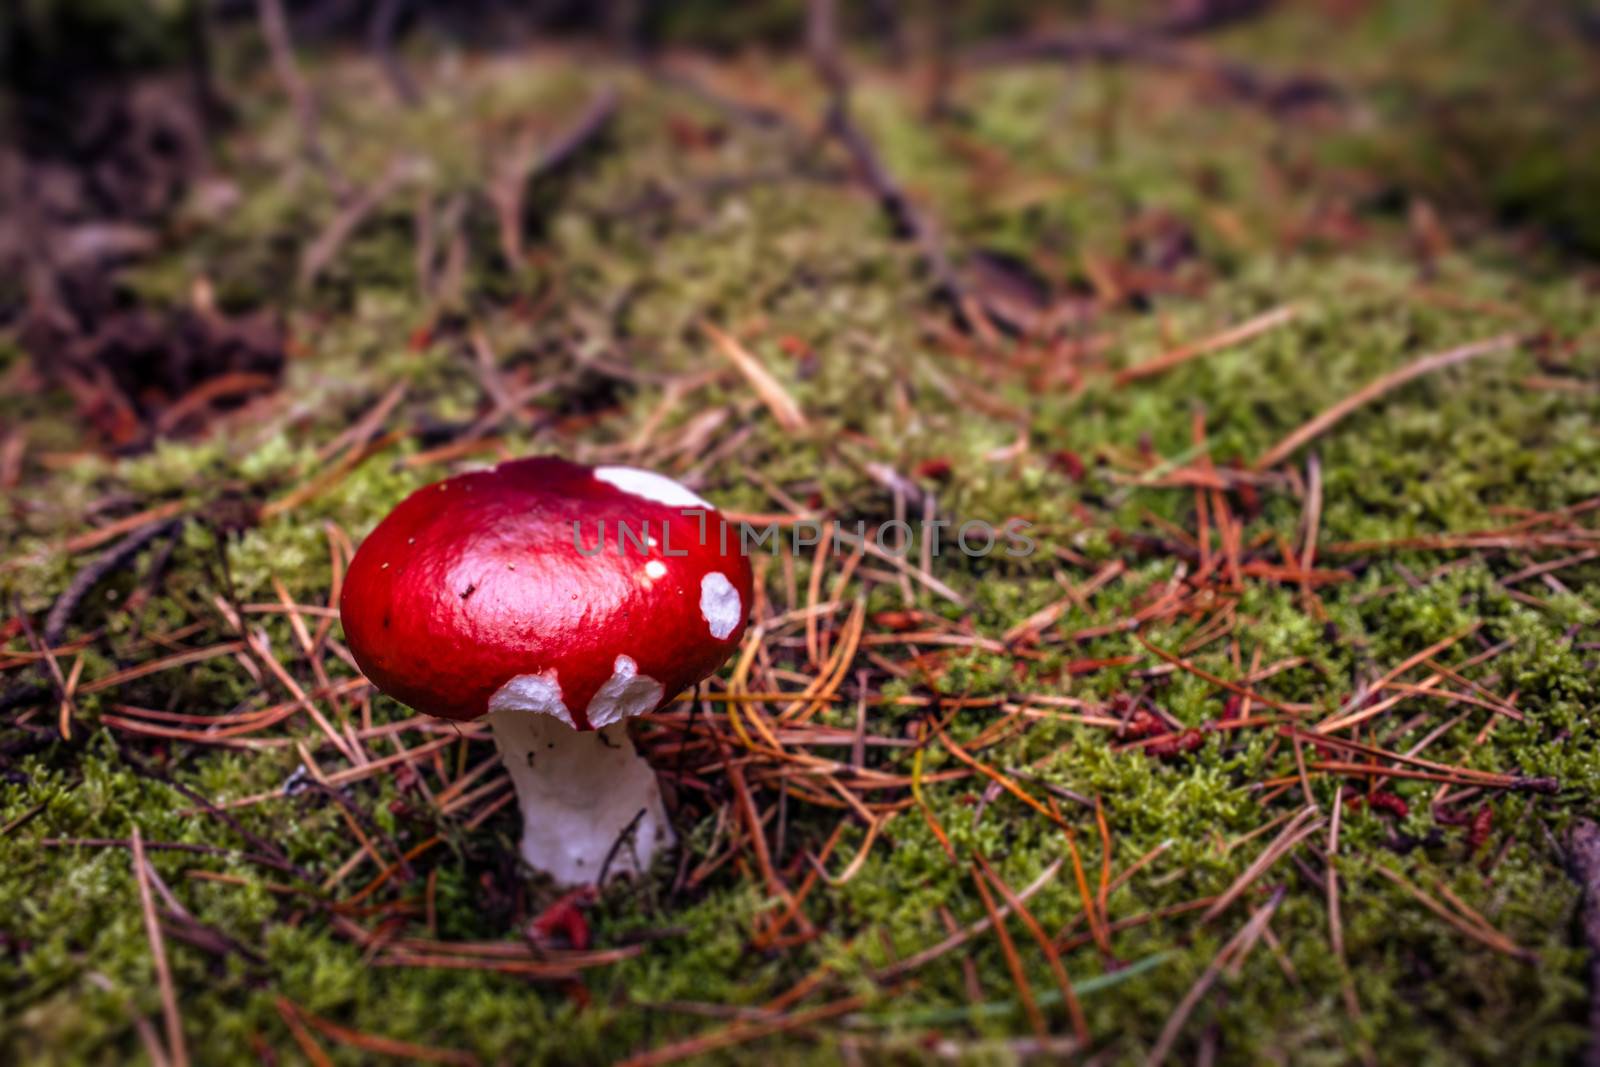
1073,155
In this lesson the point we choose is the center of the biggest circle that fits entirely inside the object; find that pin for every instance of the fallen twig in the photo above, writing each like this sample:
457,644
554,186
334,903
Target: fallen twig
906,218
90,575
275,28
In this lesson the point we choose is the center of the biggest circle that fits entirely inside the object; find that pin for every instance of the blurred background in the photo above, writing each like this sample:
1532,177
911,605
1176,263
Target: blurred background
137,128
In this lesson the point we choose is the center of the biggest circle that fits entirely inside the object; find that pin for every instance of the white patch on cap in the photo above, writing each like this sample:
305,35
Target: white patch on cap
719,604
655,568
536,693
625,693
654,487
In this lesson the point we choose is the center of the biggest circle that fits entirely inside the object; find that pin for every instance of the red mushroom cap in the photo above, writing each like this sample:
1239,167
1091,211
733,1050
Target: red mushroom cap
475,593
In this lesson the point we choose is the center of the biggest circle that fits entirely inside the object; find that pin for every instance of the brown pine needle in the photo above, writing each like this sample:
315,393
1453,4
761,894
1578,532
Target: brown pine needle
853,868
1343,717
772,394
330,477
1072,944
384,1046
954,941
1335,920
390,871
922,801
1105,858
302,1036
757,835
68,710
1377,388
1499,781
1096,921
807,884
263,653
364,427
1310,529
345,777
177,1052
1485,935
1050,614
1069,997
742,1031
995,776
560,968
182,659
1472,914
308,647
1237,947
111,531
1347,985
1298,829
1215,343
813,597
1232,687
1008,948
1488,778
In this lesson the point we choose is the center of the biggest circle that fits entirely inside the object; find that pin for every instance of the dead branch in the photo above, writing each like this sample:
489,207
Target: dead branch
275,28
381,33
89,576
907,220
508,190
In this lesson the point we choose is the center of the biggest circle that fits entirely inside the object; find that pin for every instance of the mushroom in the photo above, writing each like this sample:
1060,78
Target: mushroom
560,601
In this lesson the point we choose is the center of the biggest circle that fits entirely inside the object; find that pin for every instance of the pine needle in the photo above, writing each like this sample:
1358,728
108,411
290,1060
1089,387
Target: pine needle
177,1052
1377,388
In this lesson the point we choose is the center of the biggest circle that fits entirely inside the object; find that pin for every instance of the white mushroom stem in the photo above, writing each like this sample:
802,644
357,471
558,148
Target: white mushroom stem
579,791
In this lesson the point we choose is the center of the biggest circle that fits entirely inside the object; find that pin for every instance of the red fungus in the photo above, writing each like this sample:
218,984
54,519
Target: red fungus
559,601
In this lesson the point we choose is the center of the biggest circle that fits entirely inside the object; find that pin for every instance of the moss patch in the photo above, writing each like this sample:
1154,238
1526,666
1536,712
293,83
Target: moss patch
1202,213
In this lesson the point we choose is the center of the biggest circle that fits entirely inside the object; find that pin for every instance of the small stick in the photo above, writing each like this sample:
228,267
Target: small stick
158,952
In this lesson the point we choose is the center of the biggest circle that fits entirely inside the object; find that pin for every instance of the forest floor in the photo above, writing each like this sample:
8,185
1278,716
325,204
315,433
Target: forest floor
1271,749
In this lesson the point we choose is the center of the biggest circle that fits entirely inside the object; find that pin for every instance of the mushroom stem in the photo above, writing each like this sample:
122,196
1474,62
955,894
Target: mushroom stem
579,791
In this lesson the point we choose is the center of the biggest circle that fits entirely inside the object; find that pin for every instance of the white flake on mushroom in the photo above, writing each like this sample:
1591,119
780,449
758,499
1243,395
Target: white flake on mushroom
580,789
649,485
536,693
625,694
719,604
